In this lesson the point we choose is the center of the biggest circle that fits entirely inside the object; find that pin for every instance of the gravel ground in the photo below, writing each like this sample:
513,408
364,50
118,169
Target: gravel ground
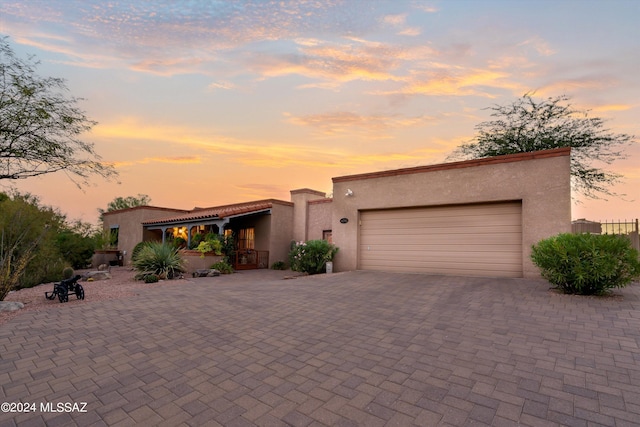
121,285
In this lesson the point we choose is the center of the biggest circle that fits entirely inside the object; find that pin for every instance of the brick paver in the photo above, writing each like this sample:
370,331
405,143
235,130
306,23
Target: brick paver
347,349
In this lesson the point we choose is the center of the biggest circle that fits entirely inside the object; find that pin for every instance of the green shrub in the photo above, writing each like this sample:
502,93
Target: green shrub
151,278
223,267
211,243
279,265
311,257
157,258
67,273
76,248
587,264
195,240
179,243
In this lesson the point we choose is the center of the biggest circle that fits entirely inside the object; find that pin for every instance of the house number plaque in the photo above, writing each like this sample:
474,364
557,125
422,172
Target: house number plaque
344,220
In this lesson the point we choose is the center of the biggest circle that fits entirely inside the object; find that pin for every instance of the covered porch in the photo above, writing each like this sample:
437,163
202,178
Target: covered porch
248,225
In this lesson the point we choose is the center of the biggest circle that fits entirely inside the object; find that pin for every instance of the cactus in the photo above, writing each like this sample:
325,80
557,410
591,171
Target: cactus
67,273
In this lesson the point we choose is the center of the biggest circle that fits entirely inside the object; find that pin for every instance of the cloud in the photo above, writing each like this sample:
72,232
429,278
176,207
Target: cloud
411,31
262,154
564,85
147,160
226,85
261,191
399,22
345,122
613,107
395,20
168,37
445,80
429,8
539,45
333,61
341,61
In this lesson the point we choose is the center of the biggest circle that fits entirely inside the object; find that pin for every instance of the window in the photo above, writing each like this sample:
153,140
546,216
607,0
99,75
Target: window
327,235
113,236
246,238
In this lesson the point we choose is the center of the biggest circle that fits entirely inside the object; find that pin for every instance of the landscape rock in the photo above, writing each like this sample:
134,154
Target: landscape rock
10,306
206,272
96,275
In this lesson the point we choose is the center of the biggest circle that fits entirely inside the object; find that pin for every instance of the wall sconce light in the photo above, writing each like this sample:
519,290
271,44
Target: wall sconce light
349,193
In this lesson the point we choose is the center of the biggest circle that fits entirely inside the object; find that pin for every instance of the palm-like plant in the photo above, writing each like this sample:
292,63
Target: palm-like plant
159,259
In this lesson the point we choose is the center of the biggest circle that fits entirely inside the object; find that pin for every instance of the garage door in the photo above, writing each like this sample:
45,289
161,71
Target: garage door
470,240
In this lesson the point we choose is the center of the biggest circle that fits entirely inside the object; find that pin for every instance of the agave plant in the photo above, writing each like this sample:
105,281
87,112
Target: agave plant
159,259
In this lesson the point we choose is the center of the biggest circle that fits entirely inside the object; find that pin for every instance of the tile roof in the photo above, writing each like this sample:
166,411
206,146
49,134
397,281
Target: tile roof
219,212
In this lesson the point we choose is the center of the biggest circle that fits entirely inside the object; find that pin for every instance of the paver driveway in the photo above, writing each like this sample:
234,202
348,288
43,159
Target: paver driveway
356,348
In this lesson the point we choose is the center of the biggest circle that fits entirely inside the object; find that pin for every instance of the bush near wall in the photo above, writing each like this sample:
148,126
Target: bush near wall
587,264
311,257
159,259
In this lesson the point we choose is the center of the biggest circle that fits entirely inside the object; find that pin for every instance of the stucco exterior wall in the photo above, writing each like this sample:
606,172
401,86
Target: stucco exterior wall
540,180
300,199
129,223
281,232
319,218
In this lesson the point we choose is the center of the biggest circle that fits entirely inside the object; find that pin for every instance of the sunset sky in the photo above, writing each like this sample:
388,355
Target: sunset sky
203,103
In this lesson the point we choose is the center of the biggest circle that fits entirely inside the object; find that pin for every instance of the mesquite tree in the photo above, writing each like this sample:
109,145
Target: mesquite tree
530,125
40,125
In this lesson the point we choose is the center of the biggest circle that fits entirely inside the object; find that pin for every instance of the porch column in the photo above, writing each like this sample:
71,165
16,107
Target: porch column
189,226
164,233
221,225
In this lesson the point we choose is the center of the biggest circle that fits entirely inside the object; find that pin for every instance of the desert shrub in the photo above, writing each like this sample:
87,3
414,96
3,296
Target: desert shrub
587,264
160,259
279,265
151,278
67,273
223,267
311,257
76,248
136,250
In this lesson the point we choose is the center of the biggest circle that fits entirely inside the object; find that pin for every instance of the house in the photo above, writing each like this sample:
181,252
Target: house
478,217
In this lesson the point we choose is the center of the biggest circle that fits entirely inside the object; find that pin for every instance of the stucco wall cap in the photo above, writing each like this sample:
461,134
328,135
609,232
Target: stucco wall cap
509,158
308,191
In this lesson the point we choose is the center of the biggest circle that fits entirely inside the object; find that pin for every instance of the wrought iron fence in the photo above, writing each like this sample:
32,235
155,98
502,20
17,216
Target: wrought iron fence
622,228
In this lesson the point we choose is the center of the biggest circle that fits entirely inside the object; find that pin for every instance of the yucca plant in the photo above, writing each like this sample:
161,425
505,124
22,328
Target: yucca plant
159,259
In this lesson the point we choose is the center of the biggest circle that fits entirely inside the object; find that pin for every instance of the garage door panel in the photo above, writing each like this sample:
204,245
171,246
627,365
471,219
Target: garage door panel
410,257
483,240
445,211
451,221
445,229
459,239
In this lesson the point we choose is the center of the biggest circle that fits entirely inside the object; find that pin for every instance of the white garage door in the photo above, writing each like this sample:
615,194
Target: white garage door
468,240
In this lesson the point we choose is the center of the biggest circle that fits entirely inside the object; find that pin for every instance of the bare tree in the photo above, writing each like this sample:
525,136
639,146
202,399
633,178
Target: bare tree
40,125
530,125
